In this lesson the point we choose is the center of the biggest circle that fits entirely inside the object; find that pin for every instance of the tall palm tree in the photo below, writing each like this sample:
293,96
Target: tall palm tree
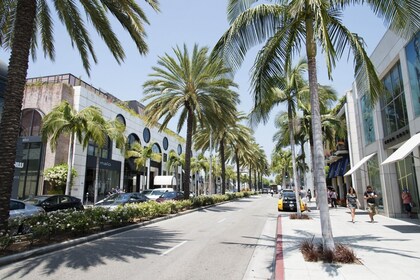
284,89
101,134
21,23
284,27
196,87
64,120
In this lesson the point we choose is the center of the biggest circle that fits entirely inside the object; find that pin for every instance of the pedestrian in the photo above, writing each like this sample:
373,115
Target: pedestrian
302,195
407,201
370,196
352,202
333,196
309,195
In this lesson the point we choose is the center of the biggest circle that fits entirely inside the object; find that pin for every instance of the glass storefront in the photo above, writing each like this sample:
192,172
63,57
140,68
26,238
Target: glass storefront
108,177
29,173
407,180
375,180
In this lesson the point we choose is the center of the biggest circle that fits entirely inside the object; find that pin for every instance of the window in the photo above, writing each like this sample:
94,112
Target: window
146,135
165,143
367,120
121,119
412,53
179,150
132,138
31,123
393,106
156,148
105,152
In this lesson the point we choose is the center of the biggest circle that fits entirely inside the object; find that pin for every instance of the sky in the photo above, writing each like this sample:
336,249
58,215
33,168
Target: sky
188,22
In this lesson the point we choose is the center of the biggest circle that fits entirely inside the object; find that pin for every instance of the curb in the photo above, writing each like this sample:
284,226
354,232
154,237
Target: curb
279,266
66,244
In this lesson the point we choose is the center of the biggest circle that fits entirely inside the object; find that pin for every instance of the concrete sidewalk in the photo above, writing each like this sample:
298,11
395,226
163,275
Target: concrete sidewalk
387,249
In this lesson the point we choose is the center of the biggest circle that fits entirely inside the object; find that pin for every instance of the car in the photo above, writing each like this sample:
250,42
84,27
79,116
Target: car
55,202
114,200
170,196
21,209
287,201
154,194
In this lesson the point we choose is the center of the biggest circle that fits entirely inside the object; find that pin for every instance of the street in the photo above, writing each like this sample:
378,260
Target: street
231,241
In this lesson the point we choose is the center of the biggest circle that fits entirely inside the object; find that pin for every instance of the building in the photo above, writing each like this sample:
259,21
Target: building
42,94
384,139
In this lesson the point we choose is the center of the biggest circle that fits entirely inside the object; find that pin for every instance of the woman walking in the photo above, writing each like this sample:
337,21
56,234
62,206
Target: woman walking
407,201
352,202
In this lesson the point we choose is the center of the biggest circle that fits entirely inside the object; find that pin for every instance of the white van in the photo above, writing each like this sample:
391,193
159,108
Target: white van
154,194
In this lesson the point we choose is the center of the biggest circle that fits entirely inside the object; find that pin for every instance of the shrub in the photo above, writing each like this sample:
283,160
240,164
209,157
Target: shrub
314,253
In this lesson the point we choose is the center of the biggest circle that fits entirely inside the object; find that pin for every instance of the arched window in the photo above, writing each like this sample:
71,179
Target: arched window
30,123
132,138
121,119
156,148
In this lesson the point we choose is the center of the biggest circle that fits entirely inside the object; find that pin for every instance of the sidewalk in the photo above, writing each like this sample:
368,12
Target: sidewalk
387,249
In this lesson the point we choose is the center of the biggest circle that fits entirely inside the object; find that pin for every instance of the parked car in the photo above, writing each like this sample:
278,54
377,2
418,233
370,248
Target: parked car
154,194
170,196
117,199
55,202
22,209
287,201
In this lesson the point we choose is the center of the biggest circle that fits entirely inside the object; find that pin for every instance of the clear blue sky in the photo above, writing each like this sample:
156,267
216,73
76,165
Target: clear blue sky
187,21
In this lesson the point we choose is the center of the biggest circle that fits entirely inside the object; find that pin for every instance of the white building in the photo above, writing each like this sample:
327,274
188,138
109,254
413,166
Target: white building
33,156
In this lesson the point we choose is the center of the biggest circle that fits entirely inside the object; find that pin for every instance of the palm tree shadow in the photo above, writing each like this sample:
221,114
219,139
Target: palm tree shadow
132,244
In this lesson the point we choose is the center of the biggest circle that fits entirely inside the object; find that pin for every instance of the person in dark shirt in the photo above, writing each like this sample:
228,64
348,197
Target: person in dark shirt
370,196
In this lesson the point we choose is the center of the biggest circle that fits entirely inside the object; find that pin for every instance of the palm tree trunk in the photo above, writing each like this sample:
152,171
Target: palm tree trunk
292,148
10,124
222,161
188,147
96,187
238,169
250,178
69,165
319,174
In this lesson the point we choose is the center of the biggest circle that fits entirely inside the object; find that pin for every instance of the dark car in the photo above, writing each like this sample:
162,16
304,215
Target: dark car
287,201
116,199
170,196
56,202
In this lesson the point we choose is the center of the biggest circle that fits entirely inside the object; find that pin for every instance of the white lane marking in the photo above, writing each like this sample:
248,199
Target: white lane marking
173,248
221,221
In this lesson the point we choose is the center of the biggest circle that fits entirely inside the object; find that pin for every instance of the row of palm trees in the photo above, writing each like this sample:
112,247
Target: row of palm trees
288,28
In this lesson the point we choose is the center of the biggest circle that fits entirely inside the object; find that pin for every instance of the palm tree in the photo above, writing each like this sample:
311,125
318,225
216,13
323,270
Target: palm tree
64,120
141,154
21,22
286,26
284,89
174,161
101,134
196,87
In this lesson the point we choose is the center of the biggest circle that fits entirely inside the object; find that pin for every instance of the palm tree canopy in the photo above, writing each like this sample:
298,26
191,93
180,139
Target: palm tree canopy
282,27
129,14
141,154
183,84
63,119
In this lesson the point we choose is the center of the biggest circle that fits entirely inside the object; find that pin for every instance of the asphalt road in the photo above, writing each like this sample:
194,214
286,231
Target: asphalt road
230,241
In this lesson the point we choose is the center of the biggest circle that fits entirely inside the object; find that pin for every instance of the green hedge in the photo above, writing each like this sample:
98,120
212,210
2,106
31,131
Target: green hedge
75,223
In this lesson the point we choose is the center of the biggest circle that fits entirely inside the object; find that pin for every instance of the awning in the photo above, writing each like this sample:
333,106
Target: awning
360,163
404,150
164,181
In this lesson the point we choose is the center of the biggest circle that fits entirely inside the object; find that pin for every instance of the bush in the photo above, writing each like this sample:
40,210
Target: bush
314,253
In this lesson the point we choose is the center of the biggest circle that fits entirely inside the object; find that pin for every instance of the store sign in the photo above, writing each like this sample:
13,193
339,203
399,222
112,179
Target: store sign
18,164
